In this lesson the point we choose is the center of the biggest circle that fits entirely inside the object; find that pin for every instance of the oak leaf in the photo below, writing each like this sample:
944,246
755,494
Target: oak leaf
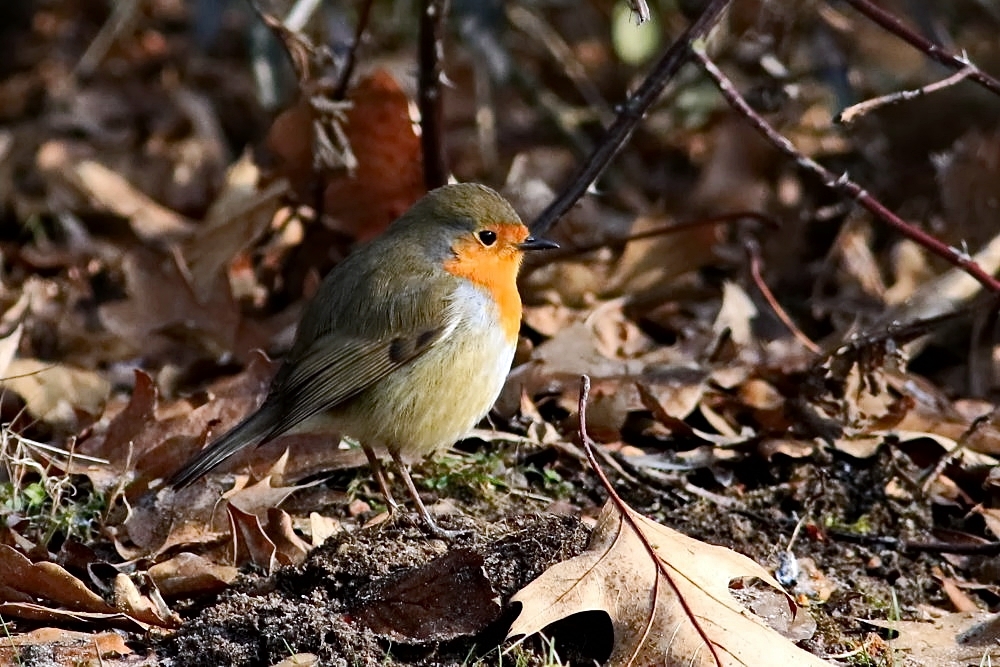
667,594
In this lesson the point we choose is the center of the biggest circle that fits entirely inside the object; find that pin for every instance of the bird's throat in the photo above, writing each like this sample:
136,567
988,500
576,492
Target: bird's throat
497,275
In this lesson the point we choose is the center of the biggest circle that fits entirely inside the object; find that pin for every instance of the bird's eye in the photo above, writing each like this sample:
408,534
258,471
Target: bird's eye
487,237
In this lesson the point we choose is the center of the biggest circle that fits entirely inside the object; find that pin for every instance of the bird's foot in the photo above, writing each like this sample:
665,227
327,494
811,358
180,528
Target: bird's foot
429,526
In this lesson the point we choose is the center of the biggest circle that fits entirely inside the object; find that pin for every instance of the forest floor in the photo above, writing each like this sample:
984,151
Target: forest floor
788,377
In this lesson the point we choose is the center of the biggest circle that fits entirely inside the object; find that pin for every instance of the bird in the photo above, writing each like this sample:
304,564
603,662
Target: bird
406,344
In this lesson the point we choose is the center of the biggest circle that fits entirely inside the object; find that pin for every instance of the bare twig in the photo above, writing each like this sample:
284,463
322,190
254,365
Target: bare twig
754,253
841,183
123,19
662,230
340,91
855,111
934,51
629,115
432,21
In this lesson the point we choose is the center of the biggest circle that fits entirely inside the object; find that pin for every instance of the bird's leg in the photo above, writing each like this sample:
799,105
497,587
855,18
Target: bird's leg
383,485
429,524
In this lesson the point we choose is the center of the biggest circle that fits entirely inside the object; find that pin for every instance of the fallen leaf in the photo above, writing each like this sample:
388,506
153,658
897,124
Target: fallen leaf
267,543
64,647
162,305
321,528
145,607
960,638
736,314
147,440
49,581
53,392
444,599
42,614
292,549
668,597
648,265
237,218
150,221
190,574
382,137
299,660
8,348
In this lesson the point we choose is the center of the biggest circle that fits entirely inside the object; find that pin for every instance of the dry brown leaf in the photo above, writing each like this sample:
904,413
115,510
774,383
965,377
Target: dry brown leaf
382,137
145,445
262,496
991,517
955,449
292,549
237,218
8,349
149,220
736,314
671,608
119,441
146,607
65,647
53,392
299,660
952,588
267,543
853,248
910,269
163,303
960,638
190,574
322,528
649,264
49,581
42,614
447,598
250,542
52,583
946,292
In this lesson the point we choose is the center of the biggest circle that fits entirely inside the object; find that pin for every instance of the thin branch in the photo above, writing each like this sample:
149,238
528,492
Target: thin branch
893,24
842,183
432,22
662,230
629,115
123,19
754,252
855,111
340,91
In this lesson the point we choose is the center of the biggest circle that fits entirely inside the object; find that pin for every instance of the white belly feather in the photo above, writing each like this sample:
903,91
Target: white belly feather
423,408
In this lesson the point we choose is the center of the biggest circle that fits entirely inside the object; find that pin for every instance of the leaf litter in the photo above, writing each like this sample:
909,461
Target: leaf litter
144,264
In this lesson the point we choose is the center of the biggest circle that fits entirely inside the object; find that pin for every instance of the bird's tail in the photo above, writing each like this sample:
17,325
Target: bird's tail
252,431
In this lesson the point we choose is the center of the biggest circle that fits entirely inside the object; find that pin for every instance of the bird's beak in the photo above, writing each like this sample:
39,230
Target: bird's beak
531,243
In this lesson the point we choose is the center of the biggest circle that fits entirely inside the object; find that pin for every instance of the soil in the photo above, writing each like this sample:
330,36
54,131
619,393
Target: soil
314,607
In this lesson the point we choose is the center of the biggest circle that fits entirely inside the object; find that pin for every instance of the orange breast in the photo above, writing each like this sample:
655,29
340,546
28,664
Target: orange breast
495,270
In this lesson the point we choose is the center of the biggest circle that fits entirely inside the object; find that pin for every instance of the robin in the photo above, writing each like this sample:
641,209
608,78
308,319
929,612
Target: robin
407,342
